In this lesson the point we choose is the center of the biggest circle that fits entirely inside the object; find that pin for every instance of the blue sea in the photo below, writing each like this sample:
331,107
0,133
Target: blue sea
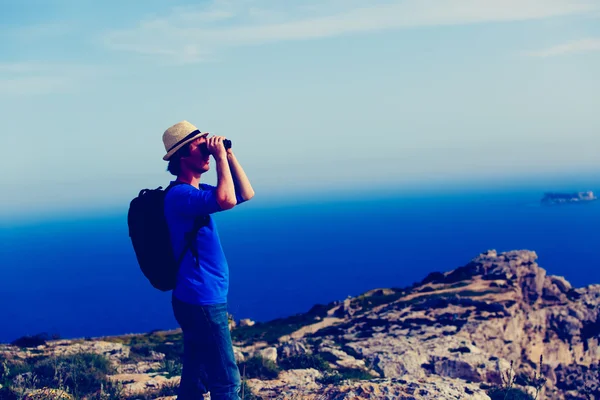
78,277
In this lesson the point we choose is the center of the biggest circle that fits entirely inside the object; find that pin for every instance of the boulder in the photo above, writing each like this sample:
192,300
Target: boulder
561,283
270,353
342,358
454,368
246,322
292,348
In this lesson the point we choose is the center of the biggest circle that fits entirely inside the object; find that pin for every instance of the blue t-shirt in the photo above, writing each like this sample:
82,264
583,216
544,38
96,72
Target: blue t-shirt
204,280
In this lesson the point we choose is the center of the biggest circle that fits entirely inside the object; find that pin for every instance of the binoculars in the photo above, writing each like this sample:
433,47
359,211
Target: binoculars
226,143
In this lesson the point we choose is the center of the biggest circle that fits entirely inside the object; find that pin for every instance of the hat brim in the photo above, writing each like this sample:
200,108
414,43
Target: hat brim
174,149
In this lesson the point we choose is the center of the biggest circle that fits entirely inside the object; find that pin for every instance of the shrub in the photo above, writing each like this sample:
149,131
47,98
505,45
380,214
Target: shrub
7,394
303,361
172,368
271,331
172,351
11,368
169,389
329,357
141,347
31,341
260,368
82,373
343,374
246,393
509,394
143,350
354,374
170,344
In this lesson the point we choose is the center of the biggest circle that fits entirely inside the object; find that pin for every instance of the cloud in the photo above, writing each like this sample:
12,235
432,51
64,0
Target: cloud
34,85
574,47
19,67
42,31
195,34
37,78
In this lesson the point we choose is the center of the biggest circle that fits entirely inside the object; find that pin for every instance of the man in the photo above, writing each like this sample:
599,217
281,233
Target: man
200,296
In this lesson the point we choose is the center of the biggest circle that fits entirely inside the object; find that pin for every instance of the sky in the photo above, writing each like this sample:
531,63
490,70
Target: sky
318,97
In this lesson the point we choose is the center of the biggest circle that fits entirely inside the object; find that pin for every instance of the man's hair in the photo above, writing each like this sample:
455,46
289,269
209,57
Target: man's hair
174,166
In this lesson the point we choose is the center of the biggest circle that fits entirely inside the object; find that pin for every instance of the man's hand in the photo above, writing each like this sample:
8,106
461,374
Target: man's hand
216,147
225,186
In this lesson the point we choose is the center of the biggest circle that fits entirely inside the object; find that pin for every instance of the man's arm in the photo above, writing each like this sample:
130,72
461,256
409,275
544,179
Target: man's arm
225,187
242,184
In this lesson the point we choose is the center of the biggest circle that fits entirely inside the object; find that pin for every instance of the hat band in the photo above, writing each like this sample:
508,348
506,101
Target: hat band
188,137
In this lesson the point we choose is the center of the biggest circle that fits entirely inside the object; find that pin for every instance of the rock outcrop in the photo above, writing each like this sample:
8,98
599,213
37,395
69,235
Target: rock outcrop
454,335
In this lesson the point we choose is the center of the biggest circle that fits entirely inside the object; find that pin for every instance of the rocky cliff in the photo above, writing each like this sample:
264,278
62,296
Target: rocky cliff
454,335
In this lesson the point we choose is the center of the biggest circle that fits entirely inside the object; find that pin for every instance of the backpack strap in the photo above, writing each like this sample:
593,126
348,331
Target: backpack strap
199,222
186,247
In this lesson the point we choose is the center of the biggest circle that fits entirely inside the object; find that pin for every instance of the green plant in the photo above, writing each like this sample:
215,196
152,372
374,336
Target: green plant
31,341
168,343
271,331
538,380
4,373
172,350
79,374
246,393
7,393
169,389
142,346
23,382
141,349
171,367
499,393
368,302
343,374
303,361
507,391
260,368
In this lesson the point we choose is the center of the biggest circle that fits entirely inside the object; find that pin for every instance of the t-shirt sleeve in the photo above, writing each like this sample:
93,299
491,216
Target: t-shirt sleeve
192,202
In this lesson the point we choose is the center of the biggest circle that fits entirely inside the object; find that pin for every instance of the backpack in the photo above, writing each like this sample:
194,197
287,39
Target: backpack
150,238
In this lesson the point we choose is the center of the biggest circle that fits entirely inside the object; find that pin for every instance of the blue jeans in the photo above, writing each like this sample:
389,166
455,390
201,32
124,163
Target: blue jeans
208,360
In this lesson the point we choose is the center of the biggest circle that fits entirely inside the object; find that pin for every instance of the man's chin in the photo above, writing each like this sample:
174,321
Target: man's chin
201,170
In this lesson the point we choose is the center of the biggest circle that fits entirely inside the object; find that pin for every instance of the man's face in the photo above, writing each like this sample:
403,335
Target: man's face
198,160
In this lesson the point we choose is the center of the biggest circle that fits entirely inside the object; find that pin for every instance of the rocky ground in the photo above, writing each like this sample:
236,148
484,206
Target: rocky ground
455,335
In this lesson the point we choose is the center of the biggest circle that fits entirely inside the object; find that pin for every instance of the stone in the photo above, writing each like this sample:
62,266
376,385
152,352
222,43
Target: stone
141,383
292,348
453,368
246,322
270,353
238,354
561,283
342,358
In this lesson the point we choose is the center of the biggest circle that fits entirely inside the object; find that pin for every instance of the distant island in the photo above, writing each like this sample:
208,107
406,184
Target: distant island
566,198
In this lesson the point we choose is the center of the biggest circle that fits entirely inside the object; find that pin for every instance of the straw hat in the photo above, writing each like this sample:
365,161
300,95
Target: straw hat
178,135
